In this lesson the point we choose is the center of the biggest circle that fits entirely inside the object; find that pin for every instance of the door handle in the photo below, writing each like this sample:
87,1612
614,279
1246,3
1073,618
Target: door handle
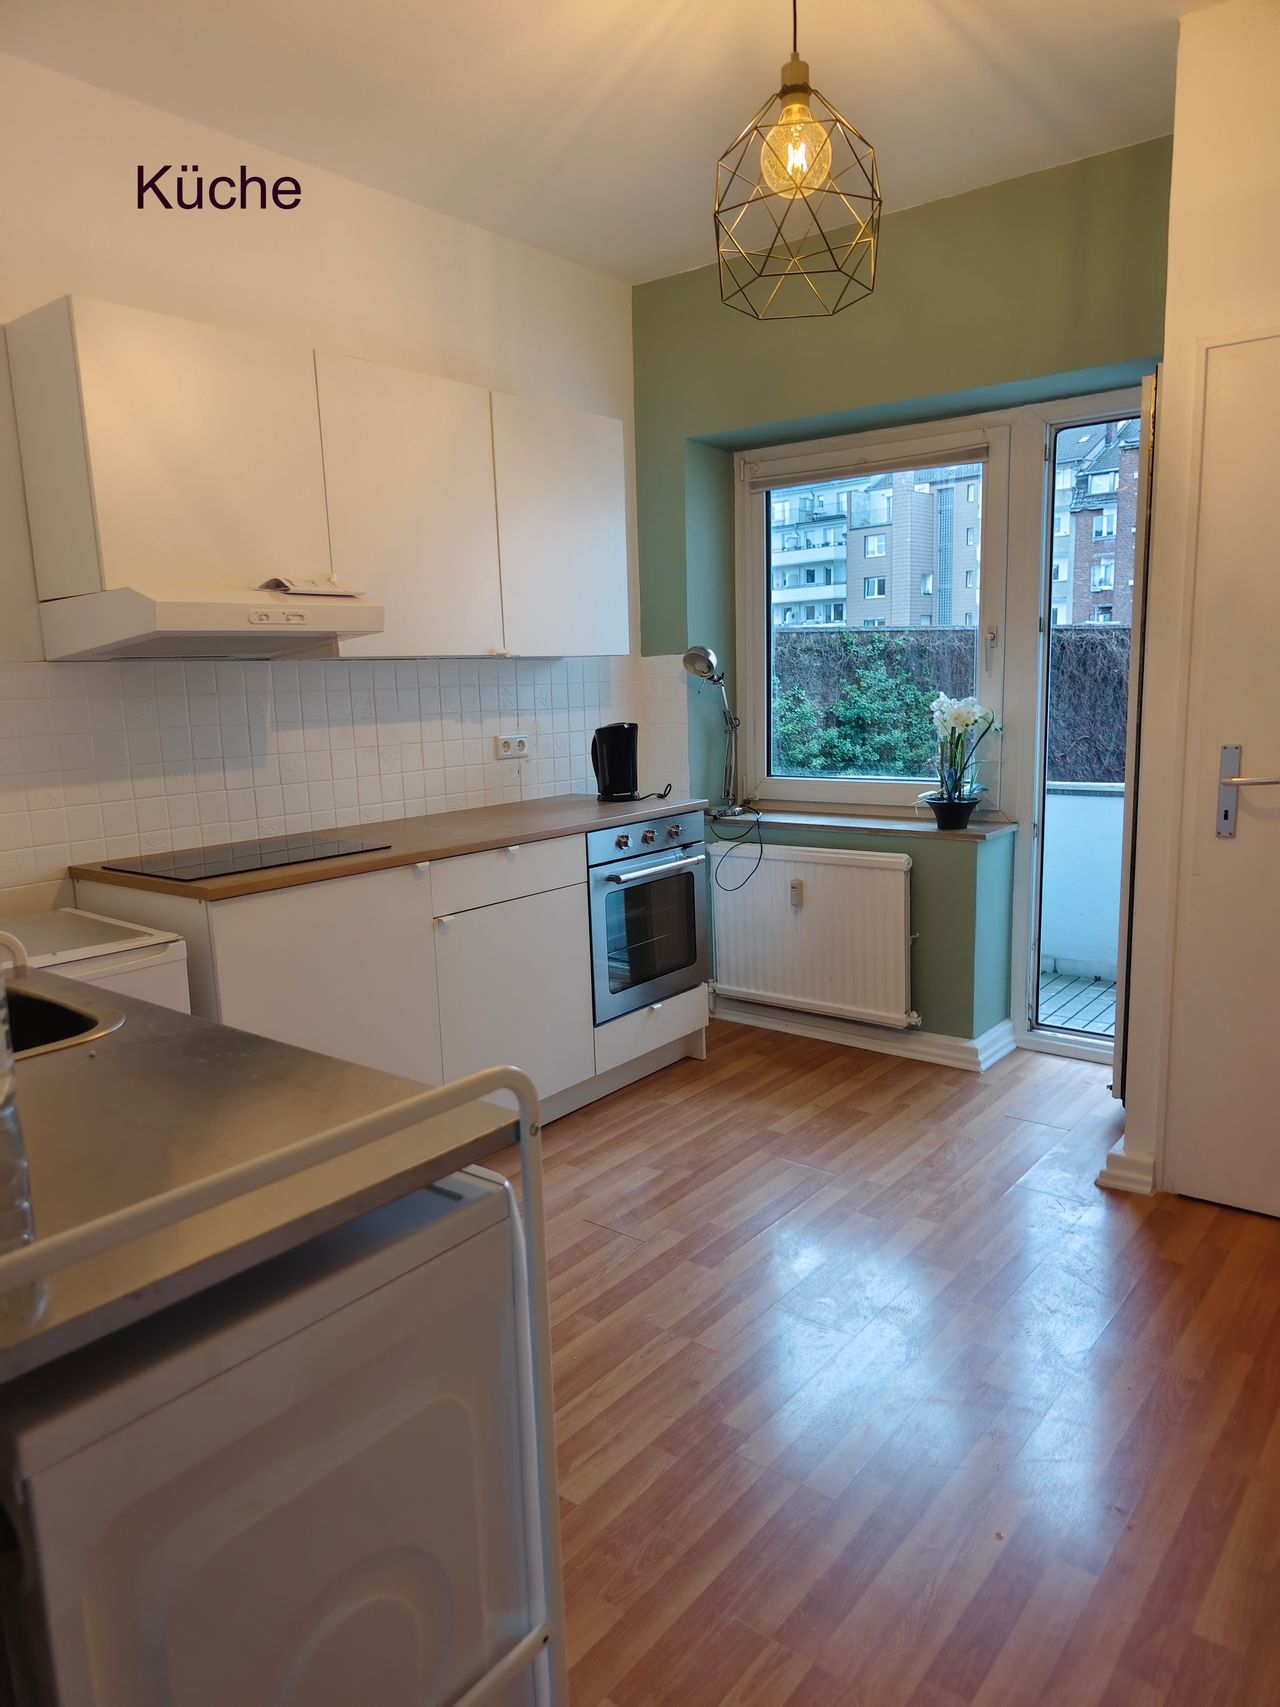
1229,783
657,870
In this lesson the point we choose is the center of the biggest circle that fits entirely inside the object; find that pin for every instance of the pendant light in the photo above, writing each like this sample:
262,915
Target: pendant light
797,206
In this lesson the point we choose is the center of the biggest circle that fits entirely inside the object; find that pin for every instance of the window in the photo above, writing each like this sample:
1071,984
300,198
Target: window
808,613
1103,613
837,710
1109,482
810,576
1059,615
781,510
1104,523
1061,569
1064,479
1061,525
1102,577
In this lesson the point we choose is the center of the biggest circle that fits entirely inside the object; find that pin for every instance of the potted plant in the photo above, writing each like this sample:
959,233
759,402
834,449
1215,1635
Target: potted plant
962,726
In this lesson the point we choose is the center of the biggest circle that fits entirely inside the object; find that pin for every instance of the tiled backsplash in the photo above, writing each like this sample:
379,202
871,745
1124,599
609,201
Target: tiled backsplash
99,760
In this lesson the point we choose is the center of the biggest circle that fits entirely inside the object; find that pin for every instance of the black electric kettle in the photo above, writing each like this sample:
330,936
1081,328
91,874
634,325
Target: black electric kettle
614,760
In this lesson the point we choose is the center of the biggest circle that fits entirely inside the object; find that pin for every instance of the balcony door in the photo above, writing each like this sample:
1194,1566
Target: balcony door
1096,533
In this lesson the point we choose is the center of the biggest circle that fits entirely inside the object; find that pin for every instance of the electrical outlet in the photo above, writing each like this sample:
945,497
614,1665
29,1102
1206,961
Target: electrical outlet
514,745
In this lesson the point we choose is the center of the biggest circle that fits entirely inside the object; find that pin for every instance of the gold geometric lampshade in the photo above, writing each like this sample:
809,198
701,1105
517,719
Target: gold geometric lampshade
797,207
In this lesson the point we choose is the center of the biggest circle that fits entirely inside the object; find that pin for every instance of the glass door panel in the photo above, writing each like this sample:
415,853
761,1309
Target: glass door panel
1096,524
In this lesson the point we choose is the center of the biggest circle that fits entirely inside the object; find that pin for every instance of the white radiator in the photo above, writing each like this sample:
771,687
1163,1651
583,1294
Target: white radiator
821,930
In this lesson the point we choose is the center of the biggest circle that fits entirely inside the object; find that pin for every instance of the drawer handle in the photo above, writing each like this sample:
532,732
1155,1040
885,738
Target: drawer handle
513,851
655,1007
446,918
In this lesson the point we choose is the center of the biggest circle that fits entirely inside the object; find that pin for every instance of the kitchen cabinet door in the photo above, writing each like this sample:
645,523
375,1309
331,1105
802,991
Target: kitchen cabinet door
562,529
515,989
408,463
164,454
343,967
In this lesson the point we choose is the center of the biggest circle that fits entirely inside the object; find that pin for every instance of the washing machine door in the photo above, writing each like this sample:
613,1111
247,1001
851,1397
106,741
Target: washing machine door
334,1520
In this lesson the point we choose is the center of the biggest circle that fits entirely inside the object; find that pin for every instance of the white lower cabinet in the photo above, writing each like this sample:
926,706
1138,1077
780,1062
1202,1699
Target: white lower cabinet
343,967
515,987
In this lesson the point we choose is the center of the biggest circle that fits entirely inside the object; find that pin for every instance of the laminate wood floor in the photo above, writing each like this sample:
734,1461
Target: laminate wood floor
867,1395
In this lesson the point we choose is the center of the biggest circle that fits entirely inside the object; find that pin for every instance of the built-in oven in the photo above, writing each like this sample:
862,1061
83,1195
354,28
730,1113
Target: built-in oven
648,899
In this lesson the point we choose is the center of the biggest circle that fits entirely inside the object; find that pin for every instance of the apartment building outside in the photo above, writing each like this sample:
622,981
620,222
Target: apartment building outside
1094,526
899,549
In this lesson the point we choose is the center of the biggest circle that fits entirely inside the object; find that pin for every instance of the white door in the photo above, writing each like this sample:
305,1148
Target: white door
562,528
515,989
1222,1134
408,463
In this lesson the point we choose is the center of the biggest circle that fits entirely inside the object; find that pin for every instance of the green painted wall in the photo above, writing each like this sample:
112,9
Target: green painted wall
1046,286
1040,286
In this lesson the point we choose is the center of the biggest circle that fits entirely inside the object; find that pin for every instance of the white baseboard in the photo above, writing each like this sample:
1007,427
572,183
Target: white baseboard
972,1054
618,1078
1124,1171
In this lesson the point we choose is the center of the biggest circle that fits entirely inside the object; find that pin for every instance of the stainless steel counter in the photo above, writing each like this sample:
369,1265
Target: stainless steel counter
167,1099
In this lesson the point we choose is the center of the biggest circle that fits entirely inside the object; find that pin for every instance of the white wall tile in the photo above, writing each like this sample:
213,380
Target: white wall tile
101,760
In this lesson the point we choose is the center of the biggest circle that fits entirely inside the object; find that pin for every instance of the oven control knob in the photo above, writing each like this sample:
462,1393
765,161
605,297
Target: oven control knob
623,842
649,836
673,832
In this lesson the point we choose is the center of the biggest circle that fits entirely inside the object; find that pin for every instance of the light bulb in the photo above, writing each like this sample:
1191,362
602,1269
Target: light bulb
795,156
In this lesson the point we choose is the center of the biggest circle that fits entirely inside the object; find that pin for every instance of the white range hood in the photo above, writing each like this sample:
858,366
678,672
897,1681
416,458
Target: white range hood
122,622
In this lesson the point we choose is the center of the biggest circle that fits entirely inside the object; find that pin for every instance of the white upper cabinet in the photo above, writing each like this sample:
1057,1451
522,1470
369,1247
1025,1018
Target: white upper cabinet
163,454
408,465
562,531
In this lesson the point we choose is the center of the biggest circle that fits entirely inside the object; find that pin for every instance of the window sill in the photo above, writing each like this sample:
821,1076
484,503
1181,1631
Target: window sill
881,824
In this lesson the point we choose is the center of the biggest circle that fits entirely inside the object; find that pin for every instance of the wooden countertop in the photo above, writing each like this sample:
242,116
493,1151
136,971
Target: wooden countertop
440,835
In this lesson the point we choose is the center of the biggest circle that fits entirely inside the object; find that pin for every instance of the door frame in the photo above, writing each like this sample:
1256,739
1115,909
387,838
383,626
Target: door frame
1026,688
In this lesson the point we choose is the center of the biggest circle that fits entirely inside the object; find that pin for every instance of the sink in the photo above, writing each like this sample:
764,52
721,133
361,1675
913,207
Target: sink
39,1023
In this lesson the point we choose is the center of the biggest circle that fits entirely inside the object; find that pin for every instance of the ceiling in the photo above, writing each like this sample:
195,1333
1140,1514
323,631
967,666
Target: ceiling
591,127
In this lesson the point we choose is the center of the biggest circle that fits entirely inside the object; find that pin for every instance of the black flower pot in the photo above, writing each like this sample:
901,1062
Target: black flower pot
952,814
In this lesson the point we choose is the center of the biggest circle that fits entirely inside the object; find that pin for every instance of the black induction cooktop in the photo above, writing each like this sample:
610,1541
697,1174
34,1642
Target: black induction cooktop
193,865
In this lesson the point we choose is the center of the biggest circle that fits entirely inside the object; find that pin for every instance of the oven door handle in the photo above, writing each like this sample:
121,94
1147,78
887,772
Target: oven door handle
657,870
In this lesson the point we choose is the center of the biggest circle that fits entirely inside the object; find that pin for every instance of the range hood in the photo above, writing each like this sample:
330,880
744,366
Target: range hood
124,622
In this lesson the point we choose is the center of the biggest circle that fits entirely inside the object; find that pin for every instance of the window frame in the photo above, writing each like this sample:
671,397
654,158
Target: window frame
976,438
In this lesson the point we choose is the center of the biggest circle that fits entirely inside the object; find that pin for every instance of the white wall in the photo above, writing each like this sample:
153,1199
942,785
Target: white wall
1224,278
101,758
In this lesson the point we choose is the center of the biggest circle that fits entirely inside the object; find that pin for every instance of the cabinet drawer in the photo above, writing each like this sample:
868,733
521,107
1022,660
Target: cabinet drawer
505,874
635,1034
